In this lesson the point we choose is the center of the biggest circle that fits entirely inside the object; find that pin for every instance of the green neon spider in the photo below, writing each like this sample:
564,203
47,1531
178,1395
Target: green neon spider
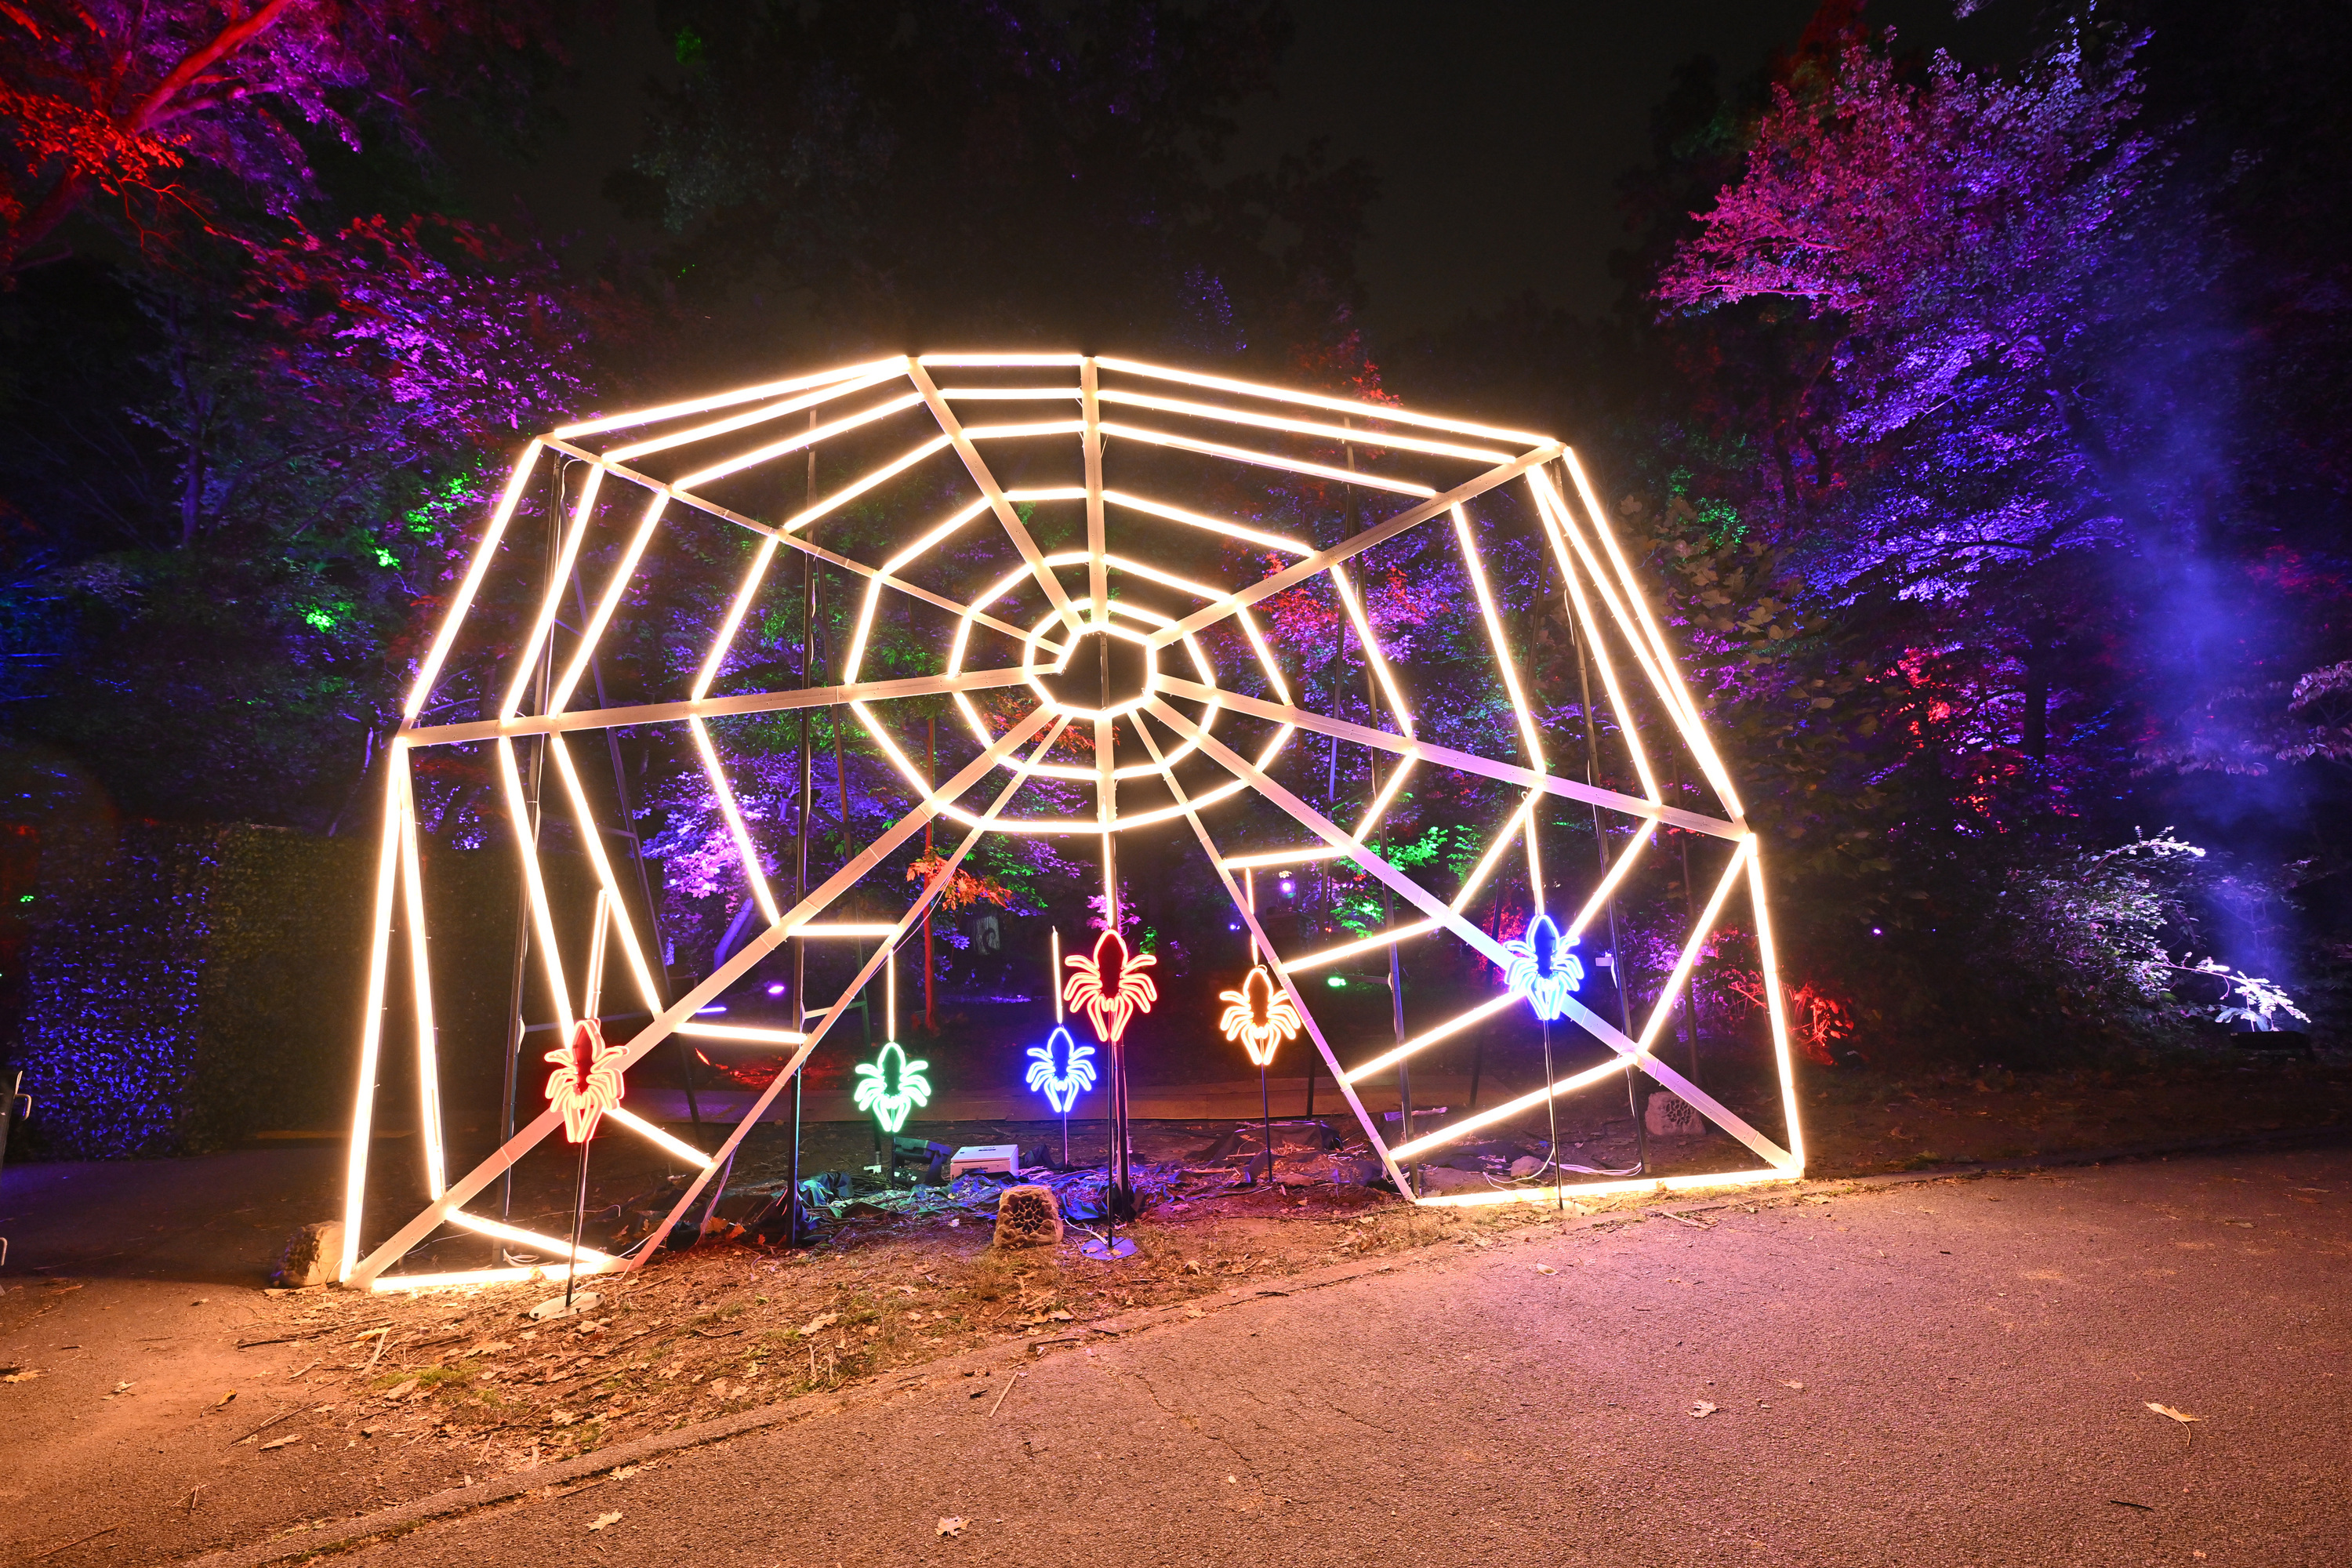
890,1085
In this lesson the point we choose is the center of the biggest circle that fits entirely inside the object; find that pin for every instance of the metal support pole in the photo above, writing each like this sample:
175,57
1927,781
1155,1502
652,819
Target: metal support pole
930,782
1601,848
1388,917
1690,913
539,689
637,856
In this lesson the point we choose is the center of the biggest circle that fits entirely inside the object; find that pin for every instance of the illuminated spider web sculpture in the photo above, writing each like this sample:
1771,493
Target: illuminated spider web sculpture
1112,572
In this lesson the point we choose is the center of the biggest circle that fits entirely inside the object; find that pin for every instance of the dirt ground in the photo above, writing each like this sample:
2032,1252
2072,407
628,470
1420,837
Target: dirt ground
138,1352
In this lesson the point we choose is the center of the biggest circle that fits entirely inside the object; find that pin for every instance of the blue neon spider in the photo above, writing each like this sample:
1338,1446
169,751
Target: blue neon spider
1061,1085
1542,969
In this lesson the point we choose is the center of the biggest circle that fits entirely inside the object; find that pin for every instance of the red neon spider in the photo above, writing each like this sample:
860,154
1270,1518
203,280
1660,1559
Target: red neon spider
587,1081
1111,987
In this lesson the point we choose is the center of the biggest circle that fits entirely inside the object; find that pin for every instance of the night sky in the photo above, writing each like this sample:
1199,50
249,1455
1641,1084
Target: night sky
1498,132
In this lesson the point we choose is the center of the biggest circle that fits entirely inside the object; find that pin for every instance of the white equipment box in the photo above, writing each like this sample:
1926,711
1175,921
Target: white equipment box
1005,1157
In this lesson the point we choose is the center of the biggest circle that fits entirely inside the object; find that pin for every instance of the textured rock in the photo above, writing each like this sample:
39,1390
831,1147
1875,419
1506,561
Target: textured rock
311,1255
1028,1216
1670,1116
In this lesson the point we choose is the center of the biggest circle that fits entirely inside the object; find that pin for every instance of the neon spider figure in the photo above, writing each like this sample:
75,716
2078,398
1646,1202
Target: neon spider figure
1061,1085
587,1081
890,1087
1261,1017
1111,986
1542,969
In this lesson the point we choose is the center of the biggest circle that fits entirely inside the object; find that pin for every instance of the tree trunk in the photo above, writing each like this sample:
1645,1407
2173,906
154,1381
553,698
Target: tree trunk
2035,738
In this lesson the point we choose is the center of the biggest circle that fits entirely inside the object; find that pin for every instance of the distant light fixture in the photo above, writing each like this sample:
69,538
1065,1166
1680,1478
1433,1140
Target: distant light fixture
1289,887
777,989
1337,983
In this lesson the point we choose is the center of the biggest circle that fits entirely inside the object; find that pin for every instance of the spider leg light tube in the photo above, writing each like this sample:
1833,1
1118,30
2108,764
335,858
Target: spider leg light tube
1120,641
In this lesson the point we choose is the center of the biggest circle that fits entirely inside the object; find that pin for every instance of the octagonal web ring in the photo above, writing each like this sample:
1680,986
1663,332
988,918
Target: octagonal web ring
1462,712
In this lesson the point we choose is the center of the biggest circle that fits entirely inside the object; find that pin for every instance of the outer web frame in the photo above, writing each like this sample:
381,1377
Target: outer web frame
1602,594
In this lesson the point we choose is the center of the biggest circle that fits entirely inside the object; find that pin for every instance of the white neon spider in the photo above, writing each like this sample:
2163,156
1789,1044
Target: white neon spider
1074,1076
1261,1017
1542,969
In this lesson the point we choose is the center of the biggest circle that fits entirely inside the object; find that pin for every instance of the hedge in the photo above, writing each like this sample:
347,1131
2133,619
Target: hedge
188,986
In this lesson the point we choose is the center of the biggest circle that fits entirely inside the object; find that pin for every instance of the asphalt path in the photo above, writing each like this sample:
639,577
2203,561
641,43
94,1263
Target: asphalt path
1956,1372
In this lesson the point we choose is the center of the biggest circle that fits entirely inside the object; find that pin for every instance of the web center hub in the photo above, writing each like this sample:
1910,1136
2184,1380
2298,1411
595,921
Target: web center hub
1099,673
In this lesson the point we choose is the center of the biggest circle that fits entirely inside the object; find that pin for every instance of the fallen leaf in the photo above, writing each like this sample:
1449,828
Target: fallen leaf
280,1443
603,1519
19,1373
400,1389
1193,1312
223,1401
2175,1415
624,1472
1788,1382
821,1320
1701,1409
492,1348
1059,1317
1546,1269
120,1388
951,1524
561,1419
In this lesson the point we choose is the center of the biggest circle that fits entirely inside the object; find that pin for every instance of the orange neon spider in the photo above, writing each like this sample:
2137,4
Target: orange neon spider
587,1081
1261,1017
1111,987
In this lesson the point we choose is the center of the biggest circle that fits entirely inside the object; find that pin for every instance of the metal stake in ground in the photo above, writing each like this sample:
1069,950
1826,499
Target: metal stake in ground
1552,1108
1112,987
586,1083
579,1218
1053,977
1265,1123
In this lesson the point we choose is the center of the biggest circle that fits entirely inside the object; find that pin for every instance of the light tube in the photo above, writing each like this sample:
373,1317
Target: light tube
589,1255
555,1273
549,606
1510,1108
420,983
1350,949
1267,459
1384,413
593,633
1340,432
1608,1189
729,425
1453,1025
791,444
387,866
646,1130
484,553
1210,525
723,400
